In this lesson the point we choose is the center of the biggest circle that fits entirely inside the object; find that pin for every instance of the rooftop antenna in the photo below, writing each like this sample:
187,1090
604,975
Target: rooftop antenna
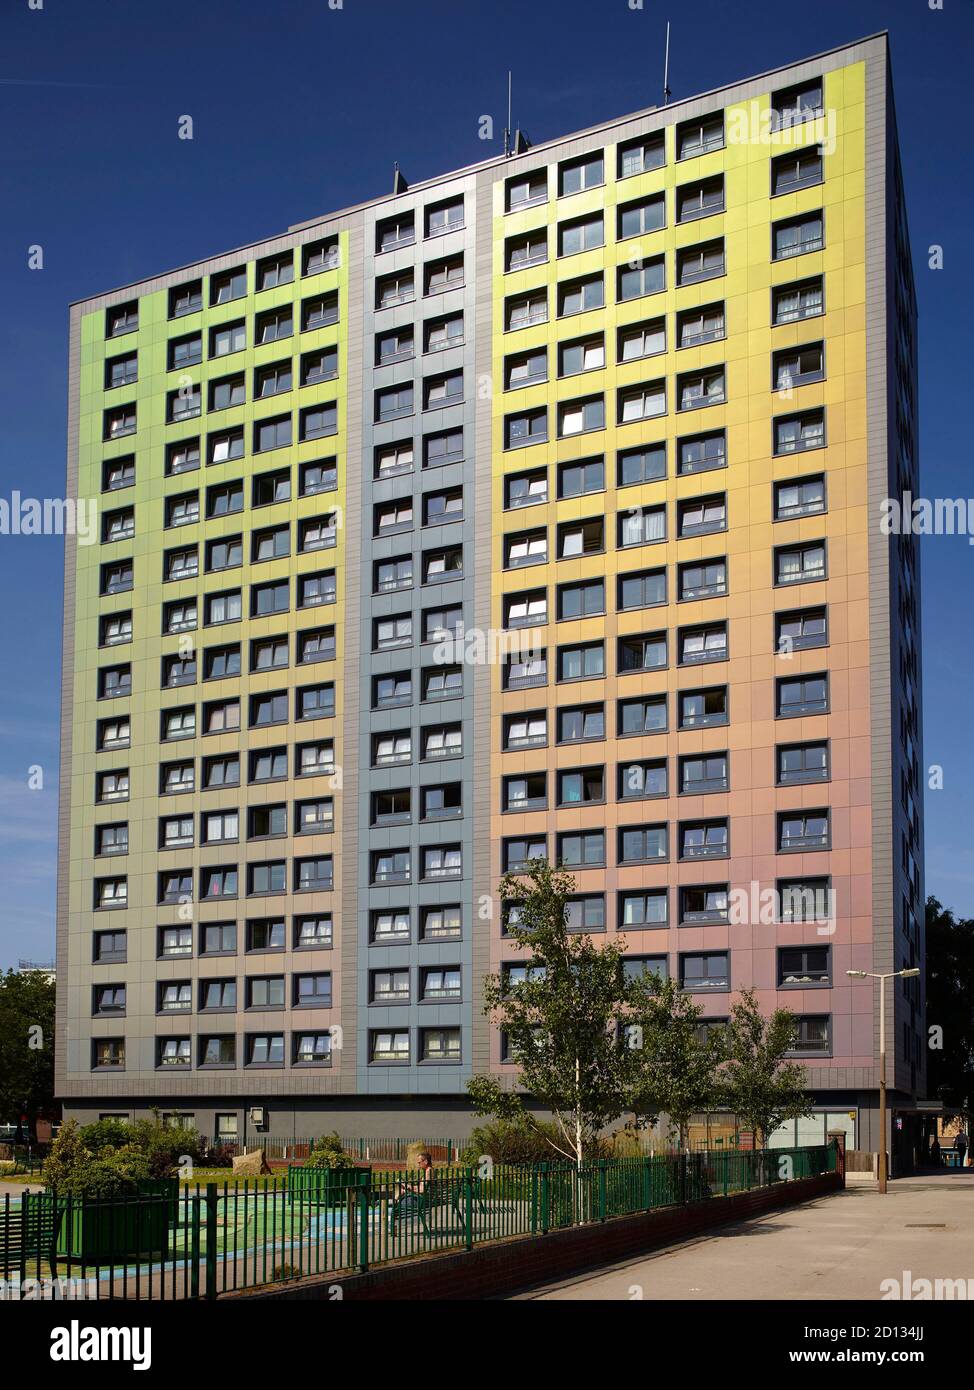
507,128
666,68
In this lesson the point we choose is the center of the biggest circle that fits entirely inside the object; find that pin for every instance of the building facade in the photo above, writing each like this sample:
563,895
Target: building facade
530,510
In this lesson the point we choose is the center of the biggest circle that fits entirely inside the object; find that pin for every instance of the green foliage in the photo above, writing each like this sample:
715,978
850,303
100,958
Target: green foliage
328,1153
26,1069
106,1134
678,1061
75,1170
950,989
562,1022
623,1143
757,1083
512,1141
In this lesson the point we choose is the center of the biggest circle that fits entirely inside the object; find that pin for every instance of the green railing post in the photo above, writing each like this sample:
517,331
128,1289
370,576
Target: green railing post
194,1247
211,1222
364,1206
601,1175
725,1157
545,1198
647,1184
534,1199
468,1205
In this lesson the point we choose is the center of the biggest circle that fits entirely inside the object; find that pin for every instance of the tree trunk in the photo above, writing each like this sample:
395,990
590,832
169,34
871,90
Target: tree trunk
578,1113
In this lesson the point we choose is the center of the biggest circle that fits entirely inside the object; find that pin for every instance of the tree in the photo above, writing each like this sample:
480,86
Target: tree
26,1046
950,1014
678,1060
757,1082
562,1020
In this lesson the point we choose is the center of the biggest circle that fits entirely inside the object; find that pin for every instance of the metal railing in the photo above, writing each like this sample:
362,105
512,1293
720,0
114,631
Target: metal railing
190,1242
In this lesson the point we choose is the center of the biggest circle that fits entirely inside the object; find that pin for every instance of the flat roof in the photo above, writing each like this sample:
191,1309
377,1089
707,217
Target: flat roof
493,161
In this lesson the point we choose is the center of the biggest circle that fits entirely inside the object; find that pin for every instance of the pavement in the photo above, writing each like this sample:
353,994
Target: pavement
17,1189
838,1247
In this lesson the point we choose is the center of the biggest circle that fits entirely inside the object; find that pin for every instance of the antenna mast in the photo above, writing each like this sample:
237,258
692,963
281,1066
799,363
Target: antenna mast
507,128
666,68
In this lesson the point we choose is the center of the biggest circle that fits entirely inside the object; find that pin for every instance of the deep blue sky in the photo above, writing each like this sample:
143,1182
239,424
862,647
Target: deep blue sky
300,109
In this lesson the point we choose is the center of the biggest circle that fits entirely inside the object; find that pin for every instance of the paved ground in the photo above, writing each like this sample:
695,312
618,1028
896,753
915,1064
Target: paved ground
841,1246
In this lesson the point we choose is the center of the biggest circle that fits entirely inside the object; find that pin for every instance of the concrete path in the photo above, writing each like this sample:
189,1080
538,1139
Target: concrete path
843,1246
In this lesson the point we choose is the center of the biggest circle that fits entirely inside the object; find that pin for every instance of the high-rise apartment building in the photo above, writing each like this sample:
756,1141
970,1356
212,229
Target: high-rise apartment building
617,412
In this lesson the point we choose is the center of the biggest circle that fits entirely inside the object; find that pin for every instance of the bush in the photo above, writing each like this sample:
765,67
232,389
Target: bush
75,1170
623,1143
106,1134
512,1141
328,1153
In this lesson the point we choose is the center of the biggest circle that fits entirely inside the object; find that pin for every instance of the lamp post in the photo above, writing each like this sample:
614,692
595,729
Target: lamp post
874,975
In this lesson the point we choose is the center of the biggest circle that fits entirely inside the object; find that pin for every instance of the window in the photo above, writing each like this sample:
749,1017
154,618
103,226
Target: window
386,1046
700,452
441,391
317,420
581,723
647,909
113,733
801,629
526,250
579,479
642,844
220,662
272,380
219,883
642,216
642,526
579,417
697,326
227,392
581,850
792,105
397,288
442,683
109,946
112,839
805,900
814,1035
313,933
319,256
796,169
581,786
393,232
646,652
706,580
701,199
525,731
632,282
802,831
527,792
266,934
695,263
316,701
700,135
575,175
700,644
525,489
228,338
122,318
444,217
118,473
525,548
703,774
642,465
517,854
581,234
702,516
270,877
391,748
804,299
443,333
122,371
641,156
798,366
708,970
440,983
319,312
525,369
795,235
229,284
115,629
642,716
577,538
120,420
174,997
265,1050
704,840
312,991
582,600
525,190
799,564
641,589
185,299
581,296
523,310
641,340
443,275
173,1052
273,326
320,476
186,351
642,402
108,1054
175,832
526,609
704,904
389,926
174,778
702,709
801,497
802,762
802,695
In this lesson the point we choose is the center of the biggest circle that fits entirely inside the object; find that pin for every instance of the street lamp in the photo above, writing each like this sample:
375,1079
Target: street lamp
873,975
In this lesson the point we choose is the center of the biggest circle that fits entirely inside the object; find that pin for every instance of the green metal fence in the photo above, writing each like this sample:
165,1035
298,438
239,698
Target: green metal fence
202,1241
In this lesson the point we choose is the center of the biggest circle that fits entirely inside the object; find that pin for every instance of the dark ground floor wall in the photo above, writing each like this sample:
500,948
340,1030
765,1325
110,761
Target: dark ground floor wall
233,1118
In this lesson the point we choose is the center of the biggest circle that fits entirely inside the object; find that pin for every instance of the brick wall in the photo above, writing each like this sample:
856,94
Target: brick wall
505,1267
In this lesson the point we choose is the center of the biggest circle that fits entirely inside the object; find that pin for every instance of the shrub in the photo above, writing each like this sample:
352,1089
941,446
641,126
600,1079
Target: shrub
74,1170
328,1153
624,1143
106,1134
512,1141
